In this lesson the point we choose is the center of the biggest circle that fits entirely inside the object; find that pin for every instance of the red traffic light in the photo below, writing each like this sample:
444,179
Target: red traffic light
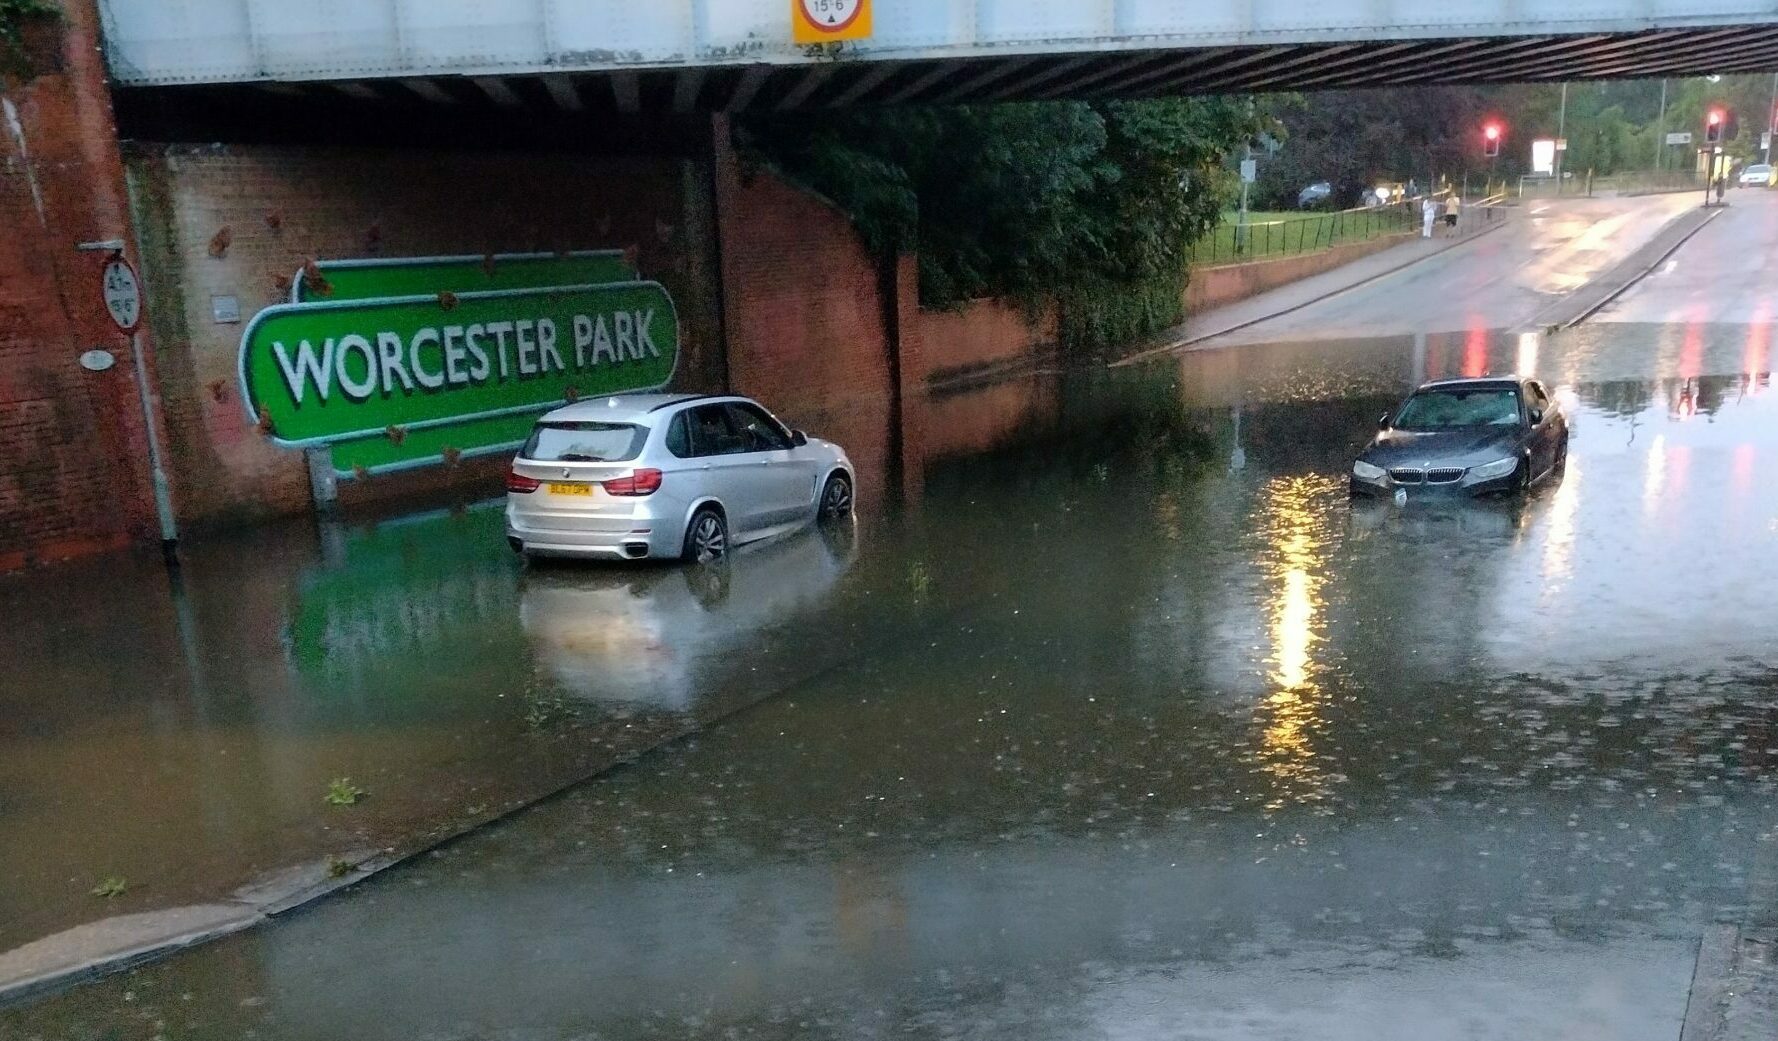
1491,139
1714,127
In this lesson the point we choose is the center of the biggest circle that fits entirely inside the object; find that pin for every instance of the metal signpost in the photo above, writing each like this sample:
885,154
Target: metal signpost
122,293
1249,174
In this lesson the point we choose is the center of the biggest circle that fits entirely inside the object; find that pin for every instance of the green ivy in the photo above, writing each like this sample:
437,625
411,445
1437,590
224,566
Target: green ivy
1095,315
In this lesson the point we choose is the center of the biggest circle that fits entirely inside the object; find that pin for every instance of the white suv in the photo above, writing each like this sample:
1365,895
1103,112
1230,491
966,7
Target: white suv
668,476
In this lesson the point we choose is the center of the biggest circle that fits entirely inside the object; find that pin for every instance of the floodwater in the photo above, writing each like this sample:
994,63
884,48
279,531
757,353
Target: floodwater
1135,727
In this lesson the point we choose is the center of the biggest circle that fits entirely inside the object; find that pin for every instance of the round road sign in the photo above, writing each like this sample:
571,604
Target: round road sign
831,16
123,294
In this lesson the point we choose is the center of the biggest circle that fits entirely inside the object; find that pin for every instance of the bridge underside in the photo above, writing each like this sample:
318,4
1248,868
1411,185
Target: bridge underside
1091,75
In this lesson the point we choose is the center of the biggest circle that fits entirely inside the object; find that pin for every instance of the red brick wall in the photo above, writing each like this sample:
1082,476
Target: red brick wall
981,335
1212,287
73,471
283,205
986,416
804,316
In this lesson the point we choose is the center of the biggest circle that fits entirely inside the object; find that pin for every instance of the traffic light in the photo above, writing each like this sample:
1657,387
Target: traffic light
1713,127
1491,140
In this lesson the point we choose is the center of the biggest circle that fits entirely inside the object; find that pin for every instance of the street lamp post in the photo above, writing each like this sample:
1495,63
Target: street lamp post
1561,133
1772,118
1661,128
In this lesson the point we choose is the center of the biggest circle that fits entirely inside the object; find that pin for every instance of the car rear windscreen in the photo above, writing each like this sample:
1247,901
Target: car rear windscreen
578,442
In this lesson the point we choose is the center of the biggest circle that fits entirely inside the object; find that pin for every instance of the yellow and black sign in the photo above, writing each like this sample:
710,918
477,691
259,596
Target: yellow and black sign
829,21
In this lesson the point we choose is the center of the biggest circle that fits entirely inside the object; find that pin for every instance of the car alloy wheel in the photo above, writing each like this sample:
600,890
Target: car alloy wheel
708,538
836,498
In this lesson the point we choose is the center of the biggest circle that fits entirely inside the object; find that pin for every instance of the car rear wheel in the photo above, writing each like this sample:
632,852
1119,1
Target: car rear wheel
836,498
706,537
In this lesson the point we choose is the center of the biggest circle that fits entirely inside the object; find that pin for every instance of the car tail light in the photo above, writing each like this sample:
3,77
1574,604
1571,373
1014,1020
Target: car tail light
642,482
518,482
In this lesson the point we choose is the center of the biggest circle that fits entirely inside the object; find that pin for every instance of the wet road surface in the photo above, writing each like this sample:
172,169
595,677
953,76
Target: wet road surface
1135,727
1728,272
1500,280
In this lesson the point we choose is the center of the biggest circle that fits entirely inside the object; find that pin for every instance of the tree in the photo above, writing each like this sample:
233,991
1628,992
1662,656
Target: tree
1356,138
1092,205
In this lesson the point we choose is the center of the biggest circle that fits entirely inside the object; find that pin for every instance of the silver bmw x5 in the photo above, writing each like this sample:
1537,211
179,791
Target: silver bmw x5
674,476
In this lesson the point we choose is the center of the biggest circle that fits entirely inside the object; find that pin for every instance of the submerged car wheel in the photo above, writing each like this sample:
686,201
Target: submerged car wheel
706,537
1562,453
836,498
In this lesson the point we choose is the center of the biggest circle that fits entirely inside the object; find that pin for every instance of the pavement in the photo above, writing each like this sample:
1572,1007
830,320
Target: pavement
1133,727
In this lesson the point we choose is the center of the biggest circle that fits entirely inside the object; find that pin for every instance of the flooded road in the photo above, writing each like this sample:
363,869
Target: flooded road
1134,727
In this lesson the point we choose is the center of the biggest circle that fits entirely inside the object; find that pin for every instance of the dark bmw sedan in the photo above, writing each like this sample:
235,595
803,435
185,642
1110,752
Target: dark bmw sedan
1465,437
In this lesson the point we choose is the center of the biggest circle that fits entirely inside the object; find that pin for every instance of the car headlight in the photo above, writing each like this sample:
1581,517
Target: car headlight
1497,468
1366,471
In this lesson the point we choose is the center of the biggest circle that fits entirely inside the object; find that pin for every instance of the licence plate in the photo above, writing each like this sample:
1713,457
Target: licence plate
558,488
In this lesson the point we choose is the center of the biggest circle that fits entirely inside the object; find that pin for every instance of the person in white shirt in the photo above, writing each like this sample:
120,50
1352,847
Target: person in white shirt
1428,212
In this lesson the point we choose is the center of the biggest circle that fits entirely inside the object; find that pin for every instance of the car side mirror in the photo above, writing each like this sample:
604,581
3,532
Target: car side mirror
1383,421
1535,415
798,439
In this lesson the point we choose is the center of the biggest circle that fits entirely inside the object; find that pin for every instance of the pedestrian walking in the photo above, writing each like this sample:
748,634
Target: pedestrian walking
1428,213
1453,210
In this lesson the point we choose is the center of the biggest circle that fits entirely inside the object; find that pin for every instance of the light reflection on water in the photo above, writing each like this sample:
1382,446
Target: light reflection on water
1295,521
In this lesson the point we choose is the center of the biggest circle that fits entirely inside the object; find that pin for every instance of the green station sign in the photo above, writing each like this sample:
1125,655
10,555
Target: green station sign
394,382
379,277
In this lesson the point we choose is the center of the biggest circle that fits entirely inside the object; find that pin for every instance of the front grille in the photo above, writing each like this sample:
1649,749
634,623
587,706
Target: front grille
1444,475
1407,476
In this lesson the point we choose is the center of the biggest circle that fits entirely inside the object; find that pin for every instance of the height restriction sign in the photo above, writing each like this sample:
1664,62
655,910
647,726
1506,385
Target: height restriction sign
827,21
123,294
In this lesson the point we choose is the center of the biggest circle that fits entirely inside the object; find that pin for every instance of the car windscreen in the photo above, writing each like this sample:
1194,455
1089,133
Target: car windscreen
1458,407
580,442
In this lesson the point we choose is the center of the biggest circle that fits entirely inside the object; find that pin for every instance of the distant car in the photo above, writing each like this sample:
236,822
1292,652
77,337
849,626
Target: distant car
1465,437
1756,175
1314,195
668,476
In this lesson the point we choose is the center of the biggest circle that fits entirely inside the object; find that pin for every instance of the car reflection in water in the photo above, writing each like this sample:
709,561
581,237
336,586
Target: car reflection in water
1483,520
638,638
